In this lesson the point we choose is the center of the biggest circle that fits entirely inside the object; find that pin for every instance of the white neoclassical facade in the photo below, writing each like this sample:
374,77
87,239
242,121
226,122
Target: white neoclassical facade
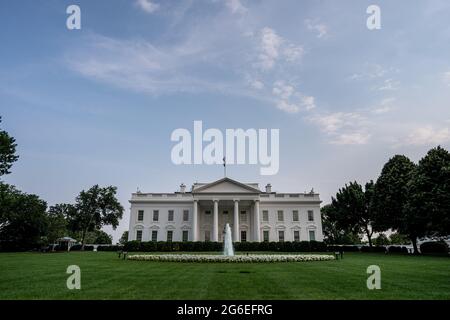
202,213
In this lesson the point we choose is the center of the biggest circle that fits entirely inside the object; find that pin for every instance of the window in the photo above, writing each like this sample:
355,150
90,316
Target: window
185,235
185,215
281,236
170,216
310,215
296,235
140,215
280,215
265,215
266,235
169,235
208,212
155,215
139,235
154,235
225,212
244,216
295,215
207,235
243,236
312,235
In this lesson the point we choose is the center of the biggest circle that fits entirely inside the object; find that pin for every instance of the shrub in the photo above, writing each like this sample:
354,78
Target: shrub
434,247
200,246
131,246
373,249
397,249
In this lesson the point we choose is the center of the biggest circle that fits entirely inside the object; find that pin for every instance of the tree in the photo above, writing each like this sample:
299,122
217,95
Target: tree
23,220
101,237
398,238
381,240
428,206
353,210
7,152
124,238
95,208
332,232
57,222
390,193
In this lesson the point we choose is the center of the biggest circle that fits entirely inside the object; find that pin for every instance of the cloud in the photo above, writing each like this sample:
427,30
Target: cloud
273,48
389,85
320,28
235,6
147,5
290,100
351,138
384,106
446,78
343,128
427,135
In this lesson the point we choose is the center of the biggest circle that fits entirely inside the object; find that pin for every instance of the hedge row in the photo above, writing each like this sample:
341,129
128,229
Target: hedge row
439,247
163,246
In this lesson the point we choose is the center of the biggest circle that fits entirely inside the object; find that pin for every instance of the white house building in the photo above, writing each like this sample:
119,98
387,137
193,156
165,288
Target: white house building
202,213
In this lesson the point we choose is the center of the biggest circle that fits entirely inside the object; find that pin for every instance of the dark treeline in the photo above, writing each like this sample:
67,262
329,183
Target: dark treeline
26,223
411,199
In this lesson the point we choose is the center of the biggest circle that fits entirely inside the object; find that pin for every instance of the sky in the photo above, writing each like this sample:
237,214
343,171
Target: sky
98,105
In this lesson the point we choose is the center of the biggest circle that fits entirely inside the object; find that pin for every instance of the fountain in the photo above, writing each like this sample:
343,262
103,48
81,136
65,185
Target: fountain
228,243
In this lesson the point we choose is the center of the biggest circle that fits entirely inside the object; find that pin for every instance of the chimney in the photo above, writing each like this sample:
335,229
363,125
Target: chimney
182,188
268,188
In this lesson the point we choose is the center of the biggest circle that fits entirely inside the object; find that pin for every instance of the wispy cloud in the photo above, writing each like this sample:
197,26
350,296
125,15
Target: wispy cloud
427,136
385,106
343,128
446,78
273,48
147,5
320,28
290,100
236,6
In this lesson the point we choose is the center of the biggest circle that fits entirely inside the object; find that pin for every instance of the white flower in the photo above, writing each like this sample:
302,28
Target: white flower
238,258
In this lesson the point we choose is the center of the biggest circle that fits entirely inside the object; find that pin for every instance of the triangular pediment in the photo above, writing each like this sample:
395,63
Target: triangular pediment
225,185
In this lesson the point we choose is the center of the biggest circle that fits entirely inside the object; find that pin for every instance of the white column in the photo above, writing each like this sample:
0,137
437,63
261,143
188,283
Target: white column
215,235
257,222
195,222
236,235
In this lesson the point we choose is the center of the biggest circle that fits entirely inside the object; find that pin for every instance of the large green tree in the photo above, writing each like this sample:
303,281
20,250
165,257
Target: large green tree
332,232
124,238
7,151
23,220
428,206
353,210
390,193
57,221
95,208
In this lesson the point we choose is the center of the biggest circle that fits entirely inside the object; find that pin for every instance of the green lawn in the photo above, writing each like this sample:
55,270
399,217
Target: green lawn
104,276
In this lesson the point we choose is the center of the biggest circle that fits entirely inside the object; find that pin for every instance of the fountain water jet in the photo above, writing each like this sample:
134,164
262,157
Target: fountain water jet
228,243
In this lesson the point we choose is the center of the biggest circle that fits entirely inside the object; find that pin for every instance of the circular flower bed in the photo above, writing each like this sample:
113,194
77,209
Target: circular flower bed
237,258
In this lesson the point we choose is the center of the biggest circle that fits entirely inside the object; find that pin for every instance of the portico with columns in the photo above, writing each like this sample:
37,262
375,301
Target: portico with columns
225,201
202,213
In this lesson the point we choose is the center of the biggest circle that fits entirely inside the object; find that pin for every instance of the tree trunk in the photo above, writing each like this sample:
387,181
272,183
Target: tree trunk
369,236
83,236
414,242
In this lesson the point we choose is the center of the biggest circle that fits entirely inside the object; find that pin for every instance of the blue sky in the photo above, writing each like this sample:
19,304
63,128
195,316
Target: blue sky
98,105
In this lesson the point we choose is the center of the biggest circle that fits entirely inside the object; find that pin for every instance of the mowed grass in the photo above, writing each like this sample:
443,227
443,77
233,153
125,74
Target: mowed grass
104,276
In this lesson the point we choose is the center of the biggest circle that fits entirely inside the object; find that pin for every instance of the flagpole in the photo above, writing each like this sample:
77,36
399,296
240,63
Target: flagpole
224,167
